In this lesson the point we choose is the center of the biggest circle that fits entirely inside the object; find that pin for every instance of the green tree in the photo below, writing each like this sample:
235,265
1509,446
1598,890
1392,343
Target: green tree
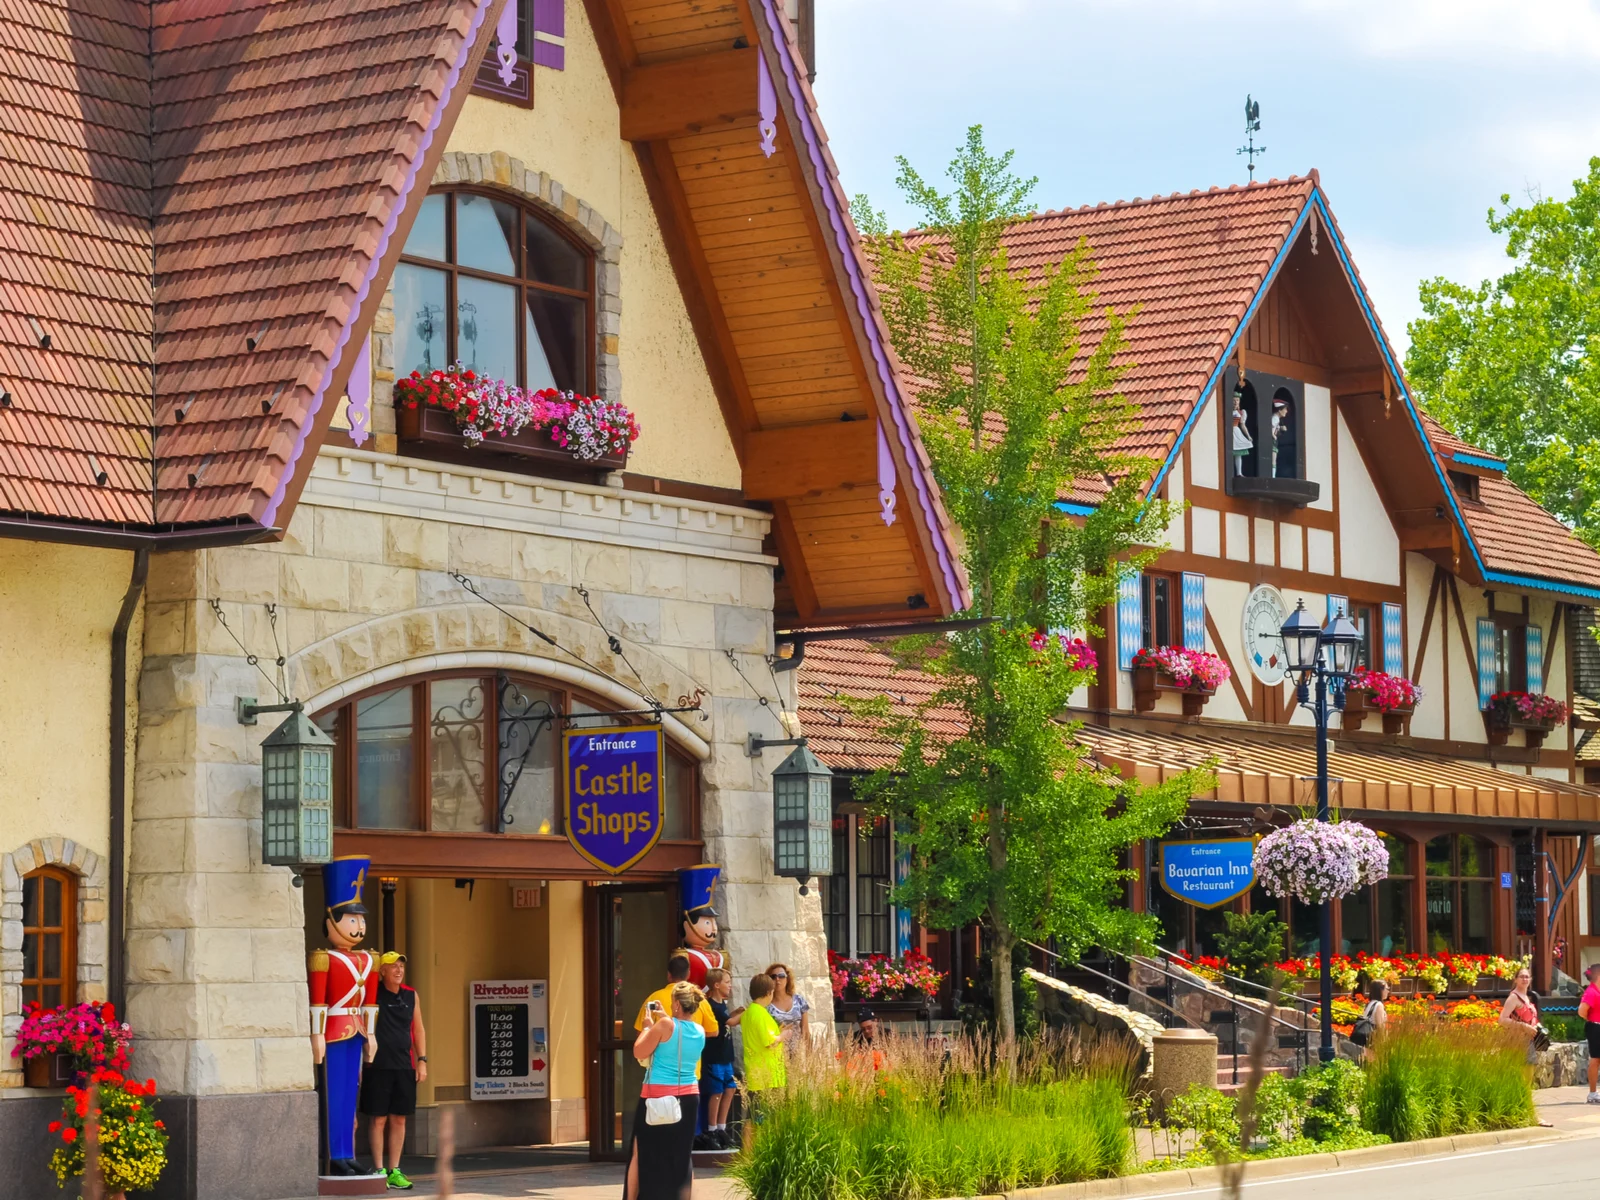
1009,824
1513,364
1252,942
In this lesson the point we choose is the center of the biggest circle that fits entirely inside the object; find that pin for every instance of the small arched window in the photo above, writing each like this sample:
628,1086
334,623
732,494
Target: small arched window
499,288
49,937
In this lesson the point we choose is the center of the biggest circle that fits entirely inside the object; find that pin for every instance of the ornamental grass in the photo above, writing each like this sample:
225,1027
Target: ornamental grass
1432,1078
907,1122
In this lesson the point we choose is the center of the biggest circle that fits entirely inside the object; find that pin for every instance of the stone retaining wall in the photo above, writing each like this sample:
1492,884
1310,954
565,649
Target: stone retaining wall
1063,1006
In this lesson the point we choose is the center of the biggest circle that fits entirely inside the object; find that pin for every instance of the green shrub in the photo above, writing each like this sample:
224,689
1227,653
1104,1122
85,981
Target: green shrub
909,1124
1433,1079
1329,1095
1252,942
1213,1117
1563,1027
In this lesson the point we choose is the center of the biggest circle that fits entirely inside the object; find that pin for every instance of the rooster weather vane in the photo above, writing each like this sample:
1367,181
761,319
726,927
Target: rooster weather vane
1252,125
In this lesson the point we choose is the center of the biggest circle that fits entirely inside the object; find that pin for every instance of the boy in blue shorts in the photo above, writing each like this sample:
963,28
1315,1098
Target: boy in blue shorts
716,1076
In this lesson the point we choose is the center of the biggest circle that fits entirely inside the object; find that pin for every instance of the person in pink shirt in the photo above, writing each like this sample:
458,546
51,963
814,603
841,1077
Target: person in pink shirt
1589,1010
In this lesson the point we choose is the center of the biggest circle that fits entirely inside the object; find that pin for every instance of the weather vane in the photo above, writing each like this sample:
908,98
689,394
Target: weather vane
1252,124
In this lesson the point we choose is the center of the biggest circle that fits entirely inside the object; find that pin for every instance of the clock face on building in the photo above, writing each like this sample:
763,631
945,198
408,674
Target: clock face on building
1265,611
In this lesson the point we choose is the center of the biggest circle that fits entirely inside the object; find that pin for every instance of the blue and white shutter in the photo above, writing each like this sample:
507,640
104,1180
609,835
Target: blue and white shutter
549,33
1394,661
1485,661
900,918
1129,624
1534,643
1194,611
1336,605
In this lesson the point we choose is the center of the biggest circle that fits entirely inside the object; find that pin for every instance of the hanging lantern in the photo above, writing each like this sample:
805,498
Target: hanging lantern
296,794
802,817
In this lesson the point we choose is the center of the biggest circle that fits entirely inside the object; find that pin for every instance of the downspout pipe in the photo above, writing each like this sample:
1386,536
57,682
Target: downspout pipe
116,876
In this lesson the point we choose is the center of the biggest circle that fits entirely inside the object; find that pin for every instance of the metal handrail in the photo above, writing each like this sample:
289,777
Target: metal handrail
1128,986
1294,1000
1302,1037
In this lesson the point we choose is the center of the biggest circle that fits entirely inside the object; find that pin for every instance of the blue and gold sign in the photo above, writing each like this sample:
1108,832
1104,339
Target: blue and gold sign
1208,874
615,798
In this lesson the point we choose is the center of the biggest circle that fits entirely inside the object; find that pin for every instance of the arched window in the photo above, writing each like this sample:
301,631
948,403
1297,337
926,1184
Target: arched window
499,288
470,753
49,937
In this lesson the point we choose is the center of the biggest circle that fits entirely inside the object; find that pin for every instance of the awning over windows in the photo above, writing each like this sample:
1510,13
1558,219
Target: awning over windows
1272,768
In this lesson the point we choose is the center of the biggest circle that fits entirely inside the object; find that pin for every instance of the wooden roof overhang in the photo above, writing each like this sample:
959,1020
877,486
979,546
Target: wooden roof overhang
714,97
1260,768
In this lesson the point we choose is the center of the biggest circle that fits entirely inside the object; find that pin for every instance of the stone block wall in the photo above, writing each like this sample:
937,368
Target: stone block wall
362,591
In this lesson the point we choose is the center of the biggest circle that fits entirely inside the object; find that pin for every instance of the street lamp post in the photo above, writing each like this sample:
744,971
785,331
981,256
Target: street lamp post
1328,654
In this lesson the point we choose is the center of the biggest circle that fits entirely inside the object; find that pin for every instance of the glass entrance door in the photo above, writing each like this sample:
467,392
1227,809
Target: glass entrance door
636,933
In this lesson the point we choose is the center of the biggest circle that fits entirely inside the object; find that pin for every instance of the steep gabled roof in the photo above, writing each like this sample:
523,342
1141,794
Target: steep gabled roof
1190,263
196,204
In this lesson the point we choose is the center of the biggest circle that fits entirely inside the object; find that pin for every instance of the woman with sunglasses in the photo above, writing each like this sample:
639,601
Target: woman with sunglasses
789,1007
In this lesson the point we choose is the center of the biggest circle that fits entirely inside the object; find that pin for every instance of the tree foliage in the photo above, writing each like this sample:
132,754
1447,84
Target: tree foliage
1513,364
1010,824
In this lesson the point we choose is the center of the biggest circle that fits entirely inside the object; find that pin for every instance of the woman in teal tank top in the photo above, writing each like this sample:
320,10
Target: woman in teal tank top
660,1162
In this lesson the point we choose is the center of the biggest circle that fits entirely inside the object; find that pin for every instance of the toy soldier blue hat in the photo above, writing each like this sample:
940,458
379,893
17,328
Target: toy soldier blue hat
694,887
342,880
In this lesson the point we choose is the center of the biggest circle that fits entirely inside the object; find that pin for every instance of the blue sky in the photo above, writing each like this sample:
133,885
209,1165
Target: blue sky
1418,113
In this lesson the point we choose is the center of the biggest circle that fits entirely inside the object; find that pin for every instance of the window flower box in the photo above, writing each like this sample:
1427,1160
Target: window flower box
1531,712
456,411
880,981
1393,697
1194,674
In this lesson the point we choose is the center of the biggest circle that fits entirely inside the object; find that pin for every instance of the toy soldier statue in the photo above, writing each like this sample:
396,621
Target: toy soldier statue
700,921
344,1006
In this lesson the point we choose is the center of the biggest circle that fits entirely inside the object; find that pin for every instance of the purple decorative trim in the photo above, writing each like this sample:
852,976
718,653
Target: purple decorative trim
550,19
886,478
407,185
859,285
505,42
767,104
359,390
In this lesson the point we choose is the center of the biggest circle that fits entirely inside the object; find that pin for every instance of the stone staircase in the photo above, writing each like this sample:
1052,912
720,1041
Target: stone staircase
1225,1080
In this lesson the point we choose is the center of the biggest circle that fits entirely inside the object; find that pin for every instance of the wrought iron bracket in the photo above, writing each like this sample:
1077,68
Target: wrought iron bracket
246,708
755,743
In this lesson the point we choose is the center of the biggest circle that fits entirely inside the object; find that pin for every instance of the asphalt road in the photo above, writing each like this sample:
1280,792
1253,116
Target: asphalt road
1568,1168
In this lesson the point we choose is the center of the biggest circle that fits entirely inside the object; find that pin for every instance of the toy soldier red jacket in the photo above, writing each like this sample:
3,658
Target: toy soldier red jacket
344,993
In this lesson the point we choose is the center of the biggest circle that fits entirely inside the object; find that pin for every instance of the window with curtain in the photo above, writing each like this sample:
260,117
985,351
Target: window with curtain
49,938
455,753
497,287
1459,872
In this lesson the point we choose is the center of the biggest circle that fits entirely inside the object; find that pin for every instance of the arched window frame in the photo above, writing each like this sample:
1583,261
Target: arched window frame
566,699
38,932
524,281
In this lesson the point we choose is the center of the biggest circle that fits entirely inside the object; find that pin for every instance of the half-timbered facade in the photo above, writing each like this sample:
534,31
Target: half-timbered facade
1276,417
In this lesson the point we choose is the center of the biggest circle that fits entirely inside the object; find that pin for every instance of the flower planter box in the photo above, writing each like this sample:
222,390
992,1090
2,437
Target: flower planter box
1358,706
436,429
48,1071
1499,729
1148,683
919,1009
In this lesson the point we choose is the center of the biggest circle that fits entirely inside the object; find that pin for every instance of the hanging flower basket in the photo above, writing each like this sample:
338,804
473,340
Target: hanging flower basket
1393,697
1194,674
457,408
1533,712
1315,860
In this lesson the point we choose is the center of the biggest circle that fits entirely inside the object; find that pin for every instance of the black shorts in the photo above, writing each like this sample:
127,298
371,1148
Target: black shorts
1591,1030
386,1092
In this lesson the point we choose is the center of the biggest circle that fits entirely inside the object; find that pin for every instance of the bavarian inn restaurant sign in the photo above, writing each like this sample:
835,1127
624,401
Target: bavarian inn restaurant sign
1208,874
615,801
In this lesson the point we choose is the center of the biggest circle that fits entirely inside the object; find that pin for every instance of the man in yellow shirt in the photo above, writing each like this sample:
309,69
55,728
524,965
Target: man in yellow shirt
677,972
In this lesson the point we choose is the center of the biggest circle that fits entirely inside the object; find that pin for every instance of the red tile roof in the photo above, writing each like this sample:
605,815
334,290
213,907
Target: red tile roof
177,178
1191,262
862,670
1512,533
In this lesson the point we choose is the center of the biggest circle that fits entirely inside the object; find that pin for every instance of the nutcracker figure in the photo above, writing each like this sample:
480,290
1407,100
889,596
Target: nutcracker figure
344,1006
700,921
